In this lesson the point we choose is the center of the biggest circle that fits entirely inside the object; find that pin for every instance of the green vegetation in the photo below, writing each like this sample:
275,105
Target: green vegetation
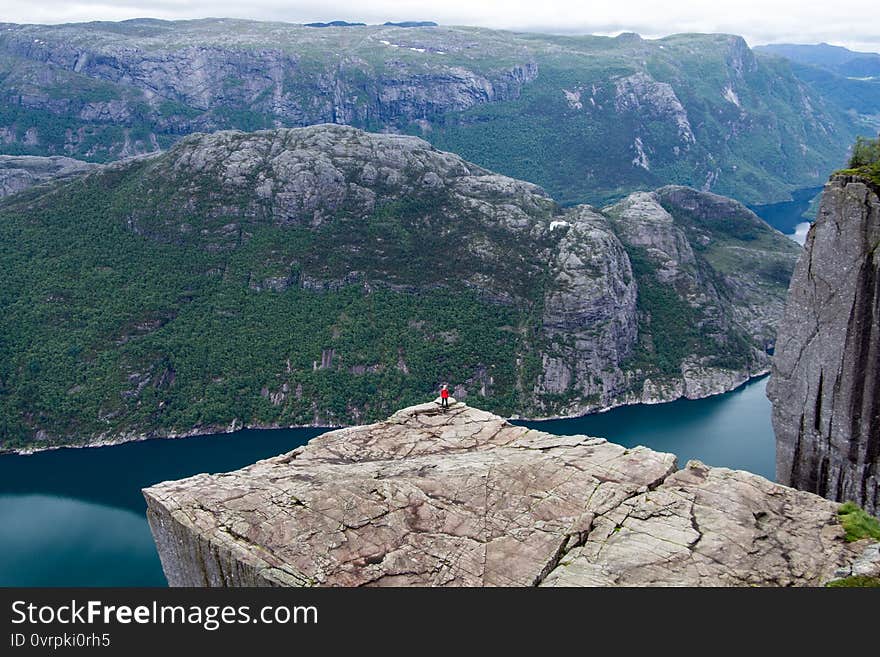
677,318
858,523
865,152
107,331
133,304
57,125
856,581
865,160
669,327
701,109
672,330
582,150
860,96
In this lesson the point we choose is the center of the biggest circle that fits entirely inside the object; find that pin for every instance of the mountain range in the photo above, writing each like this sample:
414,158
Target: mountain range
588,118
838,59
849,79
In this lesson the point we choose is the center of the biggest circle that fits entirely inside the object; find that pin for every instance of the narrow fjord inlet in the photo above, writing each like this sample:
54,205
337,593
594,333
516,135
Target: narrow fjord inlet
75,517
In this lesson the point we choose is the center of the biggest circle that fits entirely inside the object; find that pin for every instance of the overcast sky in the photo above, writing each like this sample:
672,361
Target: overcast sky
850,24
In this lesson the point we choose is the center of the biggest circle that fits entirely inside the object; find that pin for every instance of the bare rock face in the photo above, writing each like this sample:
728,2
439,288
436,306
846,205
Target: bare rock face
642,94
18,172
589,317
711,280
463,498
825,386
289,72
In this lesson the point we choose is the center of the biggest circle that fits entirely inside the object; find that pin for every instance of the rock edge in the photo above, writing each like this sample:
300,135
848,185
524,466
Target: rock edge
464,498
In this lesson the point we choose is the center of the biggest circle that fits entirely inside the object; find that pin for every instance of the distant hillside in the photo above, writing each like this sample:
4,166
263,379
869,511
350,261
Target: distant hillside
841,60
848,79
20,172
335,24
588,118
325,275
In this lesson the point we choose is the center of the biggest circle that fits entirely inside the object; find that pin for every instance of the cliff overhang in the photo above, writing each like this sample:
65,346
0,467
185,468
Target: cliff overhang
464,498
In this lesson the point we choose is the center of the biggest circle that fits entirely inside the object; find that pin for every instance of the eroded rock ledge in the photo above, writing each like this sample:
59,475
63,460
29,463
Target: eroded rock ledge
463,498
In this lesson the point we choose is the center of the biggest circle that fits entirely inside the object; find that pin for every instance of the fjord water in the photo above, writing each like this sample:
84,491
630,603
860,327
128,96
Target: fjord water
731,430
75,517
788,216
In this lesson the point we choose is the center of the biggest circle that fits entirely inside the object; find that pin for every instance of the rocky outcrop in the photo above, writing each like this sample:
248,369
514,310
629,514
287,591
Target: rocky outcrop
825,385
510,242
589,321
641,94
20,172
290,74
463,498
711,278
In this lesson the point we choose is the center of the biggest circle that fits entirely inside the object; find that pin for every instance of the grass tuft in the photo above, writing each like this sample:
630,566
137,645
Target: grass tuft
856,581
857,523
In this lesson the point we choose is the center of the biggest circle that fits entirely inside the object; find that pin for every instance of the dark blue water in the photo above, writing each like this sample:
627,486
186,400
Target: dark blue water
731,430
787,215
75,517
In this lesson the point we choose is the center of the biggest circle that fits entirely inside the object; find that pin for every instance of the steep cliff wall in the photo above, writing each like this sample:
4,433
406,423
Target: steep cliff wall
825,386
462,498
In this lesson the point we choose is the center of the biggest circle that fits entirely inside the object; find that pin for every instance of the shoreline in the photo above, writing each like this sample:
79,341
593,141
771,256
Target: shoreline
235,426
751,378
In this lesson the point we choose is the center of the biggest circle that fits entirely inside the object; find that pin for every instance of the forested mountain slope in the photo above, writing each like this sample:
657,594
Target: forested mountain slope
325,275
588,118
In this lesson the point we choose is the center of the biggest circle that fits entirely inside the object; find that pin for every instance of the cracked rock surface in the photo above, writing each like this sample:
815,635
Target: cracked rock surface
463,498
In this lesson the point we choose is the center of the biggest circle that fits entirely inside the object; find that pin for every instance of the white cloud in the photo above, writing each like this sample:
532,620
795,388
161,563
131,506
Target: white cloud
760,21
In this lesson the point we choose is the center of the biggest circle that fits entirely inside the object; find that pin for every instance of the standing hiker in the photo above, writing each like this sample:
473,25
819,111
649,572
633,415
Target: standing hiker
444,396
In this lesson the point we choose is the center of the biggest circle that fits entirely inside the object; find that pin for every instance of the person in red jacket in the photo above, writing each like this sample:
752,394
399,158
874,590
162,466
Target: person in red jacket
444,396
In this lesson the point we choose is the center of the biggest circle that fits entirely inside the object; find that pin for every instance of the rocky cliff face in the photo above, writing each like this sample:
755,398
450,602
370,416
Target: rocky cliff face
198,76
20,172
825,386
375,267
462,498
163,82
711,280
690,109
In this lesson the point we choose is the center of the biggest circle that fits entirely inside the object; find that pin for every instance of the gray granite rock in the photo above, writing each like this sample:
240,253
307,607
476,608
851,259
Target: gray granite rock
825,385
728,267
18,172
463,498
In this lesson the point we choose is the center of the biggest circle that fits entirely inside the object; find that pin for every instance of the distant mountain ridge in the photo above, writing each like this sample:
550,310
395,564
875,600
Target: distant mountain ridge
335,24
841,60
588,118
848,79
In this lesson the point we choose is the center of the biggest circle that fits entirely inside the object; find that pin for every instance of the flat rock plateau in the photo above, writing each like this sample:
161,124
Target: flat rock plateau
464,498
